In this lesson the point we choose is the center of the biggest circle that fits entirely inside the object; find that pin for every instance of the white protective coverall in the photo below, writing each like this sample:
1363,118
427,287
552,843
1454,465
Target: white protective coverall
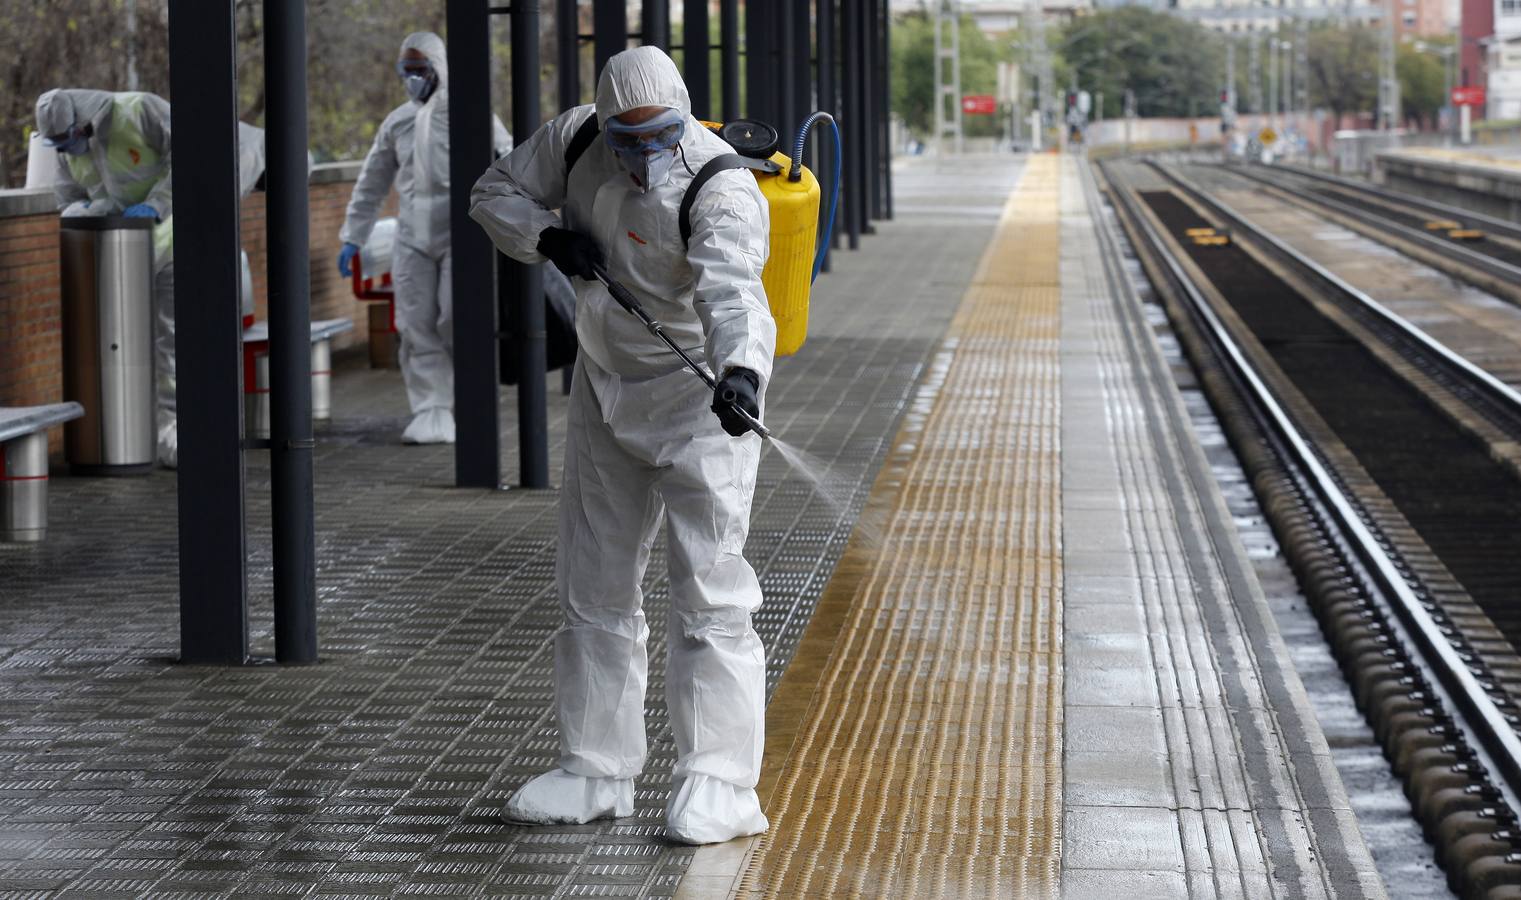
128,162
642,442
411,150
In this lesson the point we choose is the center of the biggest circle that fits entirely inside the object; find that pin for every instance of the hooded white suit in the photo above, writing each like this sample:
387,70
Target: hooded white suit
411,150
642,445
128,162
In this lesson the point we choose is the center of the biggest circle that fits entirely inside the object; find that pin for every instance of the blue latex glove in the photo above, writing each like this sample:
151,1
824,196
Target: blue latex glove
346,256
140,211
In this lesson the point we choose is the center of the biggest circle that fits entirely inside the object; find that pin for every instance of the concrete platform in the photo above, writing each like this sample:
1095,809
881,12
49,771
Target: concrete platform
1080,691
1177,754
1483,179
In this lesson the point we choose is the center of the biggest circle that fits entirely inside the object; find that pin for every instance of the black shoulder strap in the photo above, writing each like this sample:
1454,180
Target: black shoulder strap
580,142
709,169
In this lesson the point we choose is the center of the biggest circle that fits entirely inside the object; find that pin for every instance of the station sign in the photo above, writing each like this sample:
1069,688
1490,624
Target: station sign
978,105
1467,96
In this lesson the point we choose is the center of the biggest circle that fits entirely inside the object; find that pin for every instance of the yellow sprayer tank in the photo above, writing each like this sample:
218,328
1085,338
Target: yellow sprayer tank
788,275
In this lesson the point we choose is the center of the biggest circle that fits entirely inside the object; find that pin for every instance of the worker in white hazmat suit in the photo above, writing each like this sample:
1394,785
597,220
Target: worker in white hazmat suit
113,158
647,440
411,150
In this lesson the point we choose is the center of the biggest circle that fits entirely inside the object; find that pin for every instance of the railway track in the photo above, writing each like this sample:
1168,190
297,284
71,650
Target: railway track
1476,248
1386,462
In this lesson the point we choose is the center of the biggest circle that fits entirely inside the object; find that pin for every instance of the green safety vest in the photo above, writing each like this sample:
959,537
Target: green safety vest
133,167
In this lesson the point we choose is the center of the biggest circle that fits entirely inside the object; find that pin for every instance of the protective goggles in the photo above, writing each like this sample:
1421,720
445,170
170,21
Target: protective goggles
409,67
660,133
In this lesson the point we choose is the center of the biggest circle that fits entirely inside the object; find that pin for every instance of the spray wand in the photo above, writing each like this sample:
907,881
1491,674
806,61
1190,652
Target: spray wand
627,301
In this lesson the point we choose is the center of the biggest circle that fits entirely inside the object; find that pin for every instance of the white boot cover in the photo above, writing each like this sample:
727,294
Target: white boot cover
431,426
560,798
704,810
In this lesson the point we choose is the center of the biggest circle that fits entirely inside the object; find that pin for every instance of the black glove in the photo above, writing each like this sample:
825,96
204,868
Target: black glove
572,252
738,388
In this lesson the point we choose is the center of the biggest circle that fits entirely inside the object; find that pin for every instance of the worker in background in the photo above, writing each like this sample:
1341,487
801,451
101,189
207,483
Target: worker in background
645,441
113,159
411,150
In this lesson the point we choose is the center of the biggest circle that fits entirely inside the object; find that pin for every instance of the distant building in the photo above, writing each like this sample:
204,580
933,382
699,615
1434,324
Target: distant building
998,16
1243,16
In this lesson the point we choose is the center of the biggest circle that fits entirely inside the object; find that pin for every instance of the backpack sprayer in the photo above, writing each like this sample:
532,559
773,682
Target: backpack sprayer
792,194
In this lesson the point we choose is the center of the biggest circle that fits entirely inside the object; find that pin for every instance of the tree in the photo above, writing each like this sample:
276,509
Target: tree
1422,83
1343,63
351,84
1175,67
913,74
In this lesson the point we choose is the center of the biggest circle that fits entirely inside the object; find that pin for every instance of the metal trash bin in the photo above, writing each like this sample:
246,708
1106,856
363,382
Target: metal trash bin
107,293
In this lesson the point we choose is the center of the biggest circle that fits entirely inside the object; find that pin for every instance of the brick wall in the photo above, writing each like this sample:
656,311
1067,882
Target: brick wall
31,346
31,333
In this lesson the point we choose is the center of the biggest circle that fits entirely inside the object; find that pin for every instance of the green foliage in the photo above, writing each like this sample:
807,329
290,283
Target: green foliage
913,71
1174,66
1343,61
1423,83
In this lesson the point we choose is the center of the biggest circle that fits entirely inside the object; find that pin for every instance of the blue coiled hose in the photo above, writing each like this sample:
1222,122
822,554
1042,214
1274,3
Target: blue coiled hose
796,174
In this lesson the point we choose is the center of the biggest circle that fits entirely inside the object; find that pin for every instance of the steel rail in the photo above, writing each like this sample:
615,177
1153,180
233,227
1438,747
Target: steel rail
1435,207
1489,265
1498,391
1495,742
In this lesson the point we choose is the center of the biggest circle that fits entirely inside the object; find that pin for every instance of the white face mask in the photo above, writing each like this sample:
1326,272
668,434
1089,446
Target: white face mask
648,170
418,87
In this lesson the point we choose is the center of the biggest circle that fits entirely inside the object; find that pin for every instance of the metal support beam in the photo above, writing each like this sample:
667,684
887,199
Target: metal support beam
477,450
760,66
828,55
697,57
784,77
610,27
530,347
871,53
567,53
213,548
290,345
851,121
802,87
728,27
884,89
655,24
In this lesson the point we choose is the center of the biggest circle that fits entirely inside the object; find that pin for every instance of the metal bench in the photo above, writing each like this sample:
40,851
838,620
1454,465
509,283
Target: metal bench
24,467
256,374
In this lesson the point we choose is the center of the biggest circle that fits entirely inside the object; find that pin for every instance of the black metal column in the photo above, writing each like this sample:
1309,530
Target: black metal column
610,29
884,116
696,57
784,71
728,37
528,281
760,66
567,53
851,75
213,549
869,53
477,448
655,24
802,36
290,345
829,101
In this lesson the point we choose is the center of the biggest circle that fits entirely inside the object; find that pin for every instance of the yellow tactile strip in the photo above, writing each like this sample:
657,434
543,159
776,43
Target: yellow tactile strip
914,746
